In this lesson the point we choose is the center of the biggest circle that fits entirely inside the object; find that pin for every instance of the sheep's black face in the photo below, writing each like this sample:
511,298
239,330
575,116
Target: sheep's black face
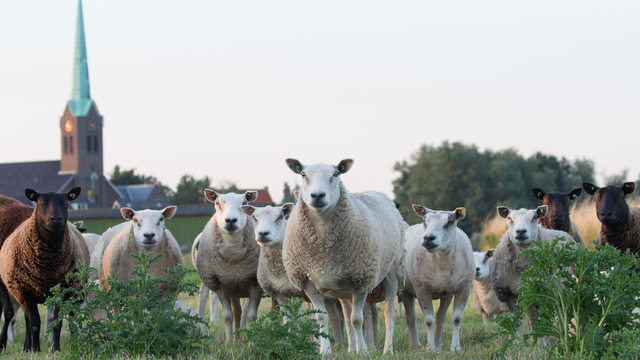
558,214
52,209
611,206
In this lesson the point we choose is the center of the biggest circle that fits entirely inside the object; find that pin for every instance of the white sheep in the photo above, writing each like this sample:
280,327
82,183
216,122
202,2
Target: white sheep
483,295
227,260
205,293
439,265
144,230
342,245
507,265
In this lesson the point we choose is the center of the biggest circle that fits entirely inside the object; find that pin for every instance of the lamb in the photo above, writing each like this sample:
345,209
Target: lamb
620,223
204,292
342,245
144,230
483,295
439,265
38,255
558,218
507,266
227,259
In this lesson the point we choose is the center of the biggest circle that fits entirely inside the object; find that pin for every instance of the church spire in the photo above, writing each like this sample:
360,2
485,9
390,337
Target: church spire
80,101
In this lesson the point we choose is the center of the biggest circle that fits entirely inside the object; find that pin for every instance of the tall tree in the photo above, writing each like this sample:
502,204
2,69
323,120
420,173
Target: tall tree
129,177
190,190
288,194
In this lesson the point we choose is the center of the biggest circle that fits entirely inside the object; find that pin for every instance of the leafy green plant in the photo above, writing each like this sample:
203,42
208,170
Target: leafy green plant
583,318
138,319
273,338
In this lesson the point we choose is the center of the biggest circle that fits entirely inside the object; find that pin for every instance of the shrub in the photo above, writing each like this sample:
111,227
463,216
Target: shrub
586,318
273,338
140,319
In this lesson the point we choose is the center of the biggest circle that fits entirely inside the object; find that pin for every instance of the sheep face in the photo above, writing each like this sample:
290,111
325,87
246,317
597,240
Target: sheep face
559,204
440,227
148,225
611,206
269,223
229,216
523,223
320,187
482,263
52,209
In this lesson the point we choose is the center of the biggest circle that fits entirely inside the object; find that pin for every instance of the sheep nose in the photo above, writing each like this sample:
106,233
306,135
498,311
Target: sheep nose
606,213
318,195
477,271
263,234
429,238
557,216
149,235
521,231
231,220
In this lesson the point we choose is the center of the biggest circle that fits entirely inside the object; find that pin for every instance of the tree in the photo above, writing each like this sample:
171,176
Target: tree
129,177
190,190
288,194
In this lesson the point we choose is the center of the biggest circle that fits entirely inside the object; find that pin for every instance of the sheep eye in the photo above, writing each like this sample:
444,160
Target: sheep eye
510,220
280,218
303,174
336,174
254,218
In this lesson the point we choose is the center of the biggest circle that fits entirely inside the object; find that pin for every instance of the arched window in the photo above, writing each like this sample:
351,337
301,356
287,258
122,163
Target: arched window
71,144
95,144
88,143
66,144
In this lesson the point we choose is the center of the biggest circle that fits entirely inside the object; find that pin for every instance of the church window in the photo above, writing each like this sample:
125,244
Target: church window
95,143
71,144
88,143
66,144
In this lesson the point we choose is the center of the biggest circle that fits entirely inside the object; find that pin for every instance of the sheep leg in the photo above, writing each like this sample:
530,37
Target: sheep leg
374,323
227,313
410,315
358,300
390,286
251,310
459,302
56,329
213,307
367,324
441,315
351,334
426,304
32,320
237,312
322,318
7,310
337,323
202,300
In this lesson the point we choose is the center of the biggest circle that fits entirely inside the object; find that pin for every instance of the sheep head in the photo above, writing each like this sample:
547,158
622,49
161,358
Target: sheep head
482,263
229,216
611,205
52,209
269,222
523,223
559,204
148,225
440,227
320,188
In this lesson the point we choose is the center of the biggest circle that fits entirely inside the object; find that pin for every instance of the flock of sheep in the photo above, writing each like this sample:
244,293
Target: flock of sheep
343,252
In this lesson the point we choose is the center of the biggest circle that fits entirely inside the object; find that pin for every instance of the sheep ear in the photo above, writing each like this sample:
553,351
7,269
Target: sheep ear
420,210
295,165
460,213
538,193
503,211
31,194
210,195
628,187
251,195
73,193
248,209
296,194
169,211
575,193
589,188
345,165
541,212
489,253
127,213
287,209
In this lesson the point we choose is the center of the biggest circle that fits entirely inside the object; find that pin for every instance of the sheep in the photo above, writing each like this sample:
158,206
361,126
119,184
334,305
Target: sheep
38,255
507,265
483,295
342,245
91,238
12,214
269,226
558,218
439,265
204,292
144,230
227,259
620,223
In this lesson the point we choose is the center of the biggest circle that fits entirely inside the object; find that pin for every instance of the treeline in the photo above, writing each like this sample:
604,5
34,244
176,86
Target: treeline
453,175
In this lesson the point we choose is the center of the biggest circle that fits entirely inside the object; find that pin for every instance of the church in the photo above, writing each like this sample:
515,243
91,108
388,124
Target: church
81,148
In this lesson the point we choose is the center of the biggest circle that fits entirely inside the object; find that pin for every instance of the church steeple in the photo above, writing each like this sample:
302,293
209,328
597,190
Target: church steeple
80,101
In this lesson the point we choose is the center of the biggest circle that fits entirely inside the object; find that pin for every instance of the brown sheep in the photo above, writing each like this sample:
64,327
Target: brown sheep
558,218
38,255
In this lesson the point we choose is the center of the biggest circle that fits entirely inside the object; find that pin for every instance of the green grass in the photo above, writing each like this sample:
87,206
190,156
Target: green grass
474,338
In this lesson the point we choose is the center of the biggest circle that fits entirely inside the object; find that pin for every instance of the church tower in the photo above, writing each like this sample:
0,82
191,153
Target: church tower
81,129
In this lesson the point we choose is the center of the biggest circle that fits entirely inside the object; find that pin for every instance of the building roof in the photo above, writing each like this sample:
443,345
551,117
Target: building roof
42,176
142,195
80,101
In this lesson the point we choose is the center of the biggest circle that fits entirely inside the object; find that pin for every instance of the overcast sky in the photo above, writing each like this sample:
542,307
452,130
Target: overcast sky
230,89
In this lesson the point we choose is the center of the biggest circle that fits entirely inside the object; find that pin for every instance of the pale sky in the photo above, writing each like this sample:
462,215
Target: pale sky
230,89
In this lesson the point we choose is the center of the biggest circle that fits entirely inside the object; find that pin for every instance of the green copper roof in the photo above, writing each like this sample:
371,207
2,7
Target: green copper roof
80,101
